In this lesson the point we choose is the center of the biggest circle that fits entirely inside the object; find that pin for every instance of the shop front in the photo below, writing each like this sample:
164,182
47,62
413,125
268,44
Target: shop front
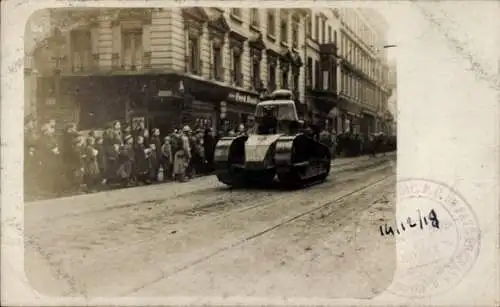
349,114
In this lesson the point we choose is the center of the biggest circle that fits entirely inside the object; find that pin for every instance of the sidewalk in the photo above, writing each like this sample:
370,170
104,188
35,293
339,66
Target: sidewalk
147,193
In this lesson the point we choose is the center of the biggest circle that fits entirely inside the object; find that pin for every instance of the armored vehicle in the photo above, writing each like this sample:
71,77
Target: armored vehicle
278,146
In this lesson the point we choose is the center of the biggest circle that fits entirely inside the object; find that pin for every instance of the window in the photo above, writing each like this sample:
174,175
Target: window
284,79
309,26
317,74
237,75
316,27
271,81
256,72
271,22
236,12
193,57
295,34
254,18
330,34
132,48
309,77
335,37
284,27
81,50
217,65
323,31
296,75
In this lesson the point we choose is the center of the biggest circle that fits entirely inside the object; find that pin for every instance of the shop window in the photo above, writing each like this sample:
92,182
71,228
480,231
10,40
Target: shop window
237,71
271,22
81,50
284,27
254,18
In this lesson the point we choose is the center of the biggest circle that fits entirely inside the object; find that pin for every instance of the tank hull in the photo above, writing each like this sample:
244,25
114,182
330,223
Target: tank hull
259,160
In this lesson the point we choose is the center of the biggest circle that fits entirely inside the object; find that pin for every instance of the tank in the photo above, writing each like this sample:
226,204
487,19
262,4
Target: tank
278,148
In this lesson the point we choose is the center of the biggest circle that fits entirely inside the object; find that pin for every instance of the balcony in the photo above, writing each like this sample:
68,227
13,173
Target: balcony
328,49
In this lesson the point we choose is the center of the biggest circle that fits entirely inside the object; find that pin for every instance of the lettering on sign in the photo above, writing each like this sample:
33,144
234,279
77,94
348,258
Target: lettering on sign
239,97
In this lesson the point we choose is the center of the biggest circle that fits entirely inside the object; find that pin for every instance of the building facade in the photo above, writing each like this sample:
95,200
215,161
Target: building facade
172,65
168,65
322,32
363,69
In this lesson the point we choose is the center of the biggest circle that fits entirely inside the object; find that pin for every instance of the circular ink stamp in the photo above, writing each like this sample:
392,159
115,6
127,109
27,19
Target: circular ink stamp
437,238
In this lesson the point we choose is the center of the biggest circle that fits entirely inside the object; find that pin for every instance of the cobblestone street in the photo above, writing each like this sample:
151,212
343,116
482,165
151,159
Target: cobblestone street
202,238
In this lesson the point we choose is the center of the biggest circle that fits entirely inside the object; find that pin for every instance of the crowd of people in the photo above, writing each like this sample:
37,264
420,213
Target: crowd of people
66,161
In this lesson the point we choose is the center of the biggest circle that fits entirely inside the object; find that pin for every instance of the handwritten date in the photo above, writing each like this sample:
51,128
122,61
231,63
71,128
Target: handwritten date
431,220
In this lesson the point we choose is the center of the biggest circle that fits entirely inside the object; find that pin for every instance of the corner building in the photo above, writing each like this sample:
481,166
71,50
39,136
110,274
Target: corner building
168,65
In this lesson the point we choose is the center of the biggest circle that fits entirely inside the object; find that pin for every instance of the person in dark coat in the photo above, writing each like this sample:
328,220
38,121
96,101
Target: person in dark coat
156,140
141,160
101,157
50,158
69,155
91,166
153,161
127,161
209,143
113,164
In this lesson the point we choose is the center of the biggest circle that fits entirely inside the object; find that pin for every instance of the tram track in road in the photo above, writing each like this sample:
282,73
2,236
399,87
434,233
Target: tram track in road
165,221
91,258
314,207
211,195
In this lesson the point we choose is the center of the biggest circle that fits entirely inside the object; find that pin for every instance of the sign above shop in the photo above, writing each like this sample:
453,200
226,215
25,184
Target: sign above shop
242,98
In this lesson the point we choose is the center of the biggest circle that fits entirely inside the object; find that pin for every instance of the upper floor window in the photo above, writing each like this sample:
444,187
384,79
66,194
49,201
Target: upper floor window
236,12
323,31
309,26
193,62
316,27
295,33
271,22
284,27
309,72
254,18
237,70
217,62
81,50
132,48
330,34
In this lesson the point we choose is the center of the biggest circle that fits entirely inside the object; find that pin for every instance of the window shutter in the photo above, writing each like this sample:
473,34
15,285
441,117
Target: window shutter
94,36
146,37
